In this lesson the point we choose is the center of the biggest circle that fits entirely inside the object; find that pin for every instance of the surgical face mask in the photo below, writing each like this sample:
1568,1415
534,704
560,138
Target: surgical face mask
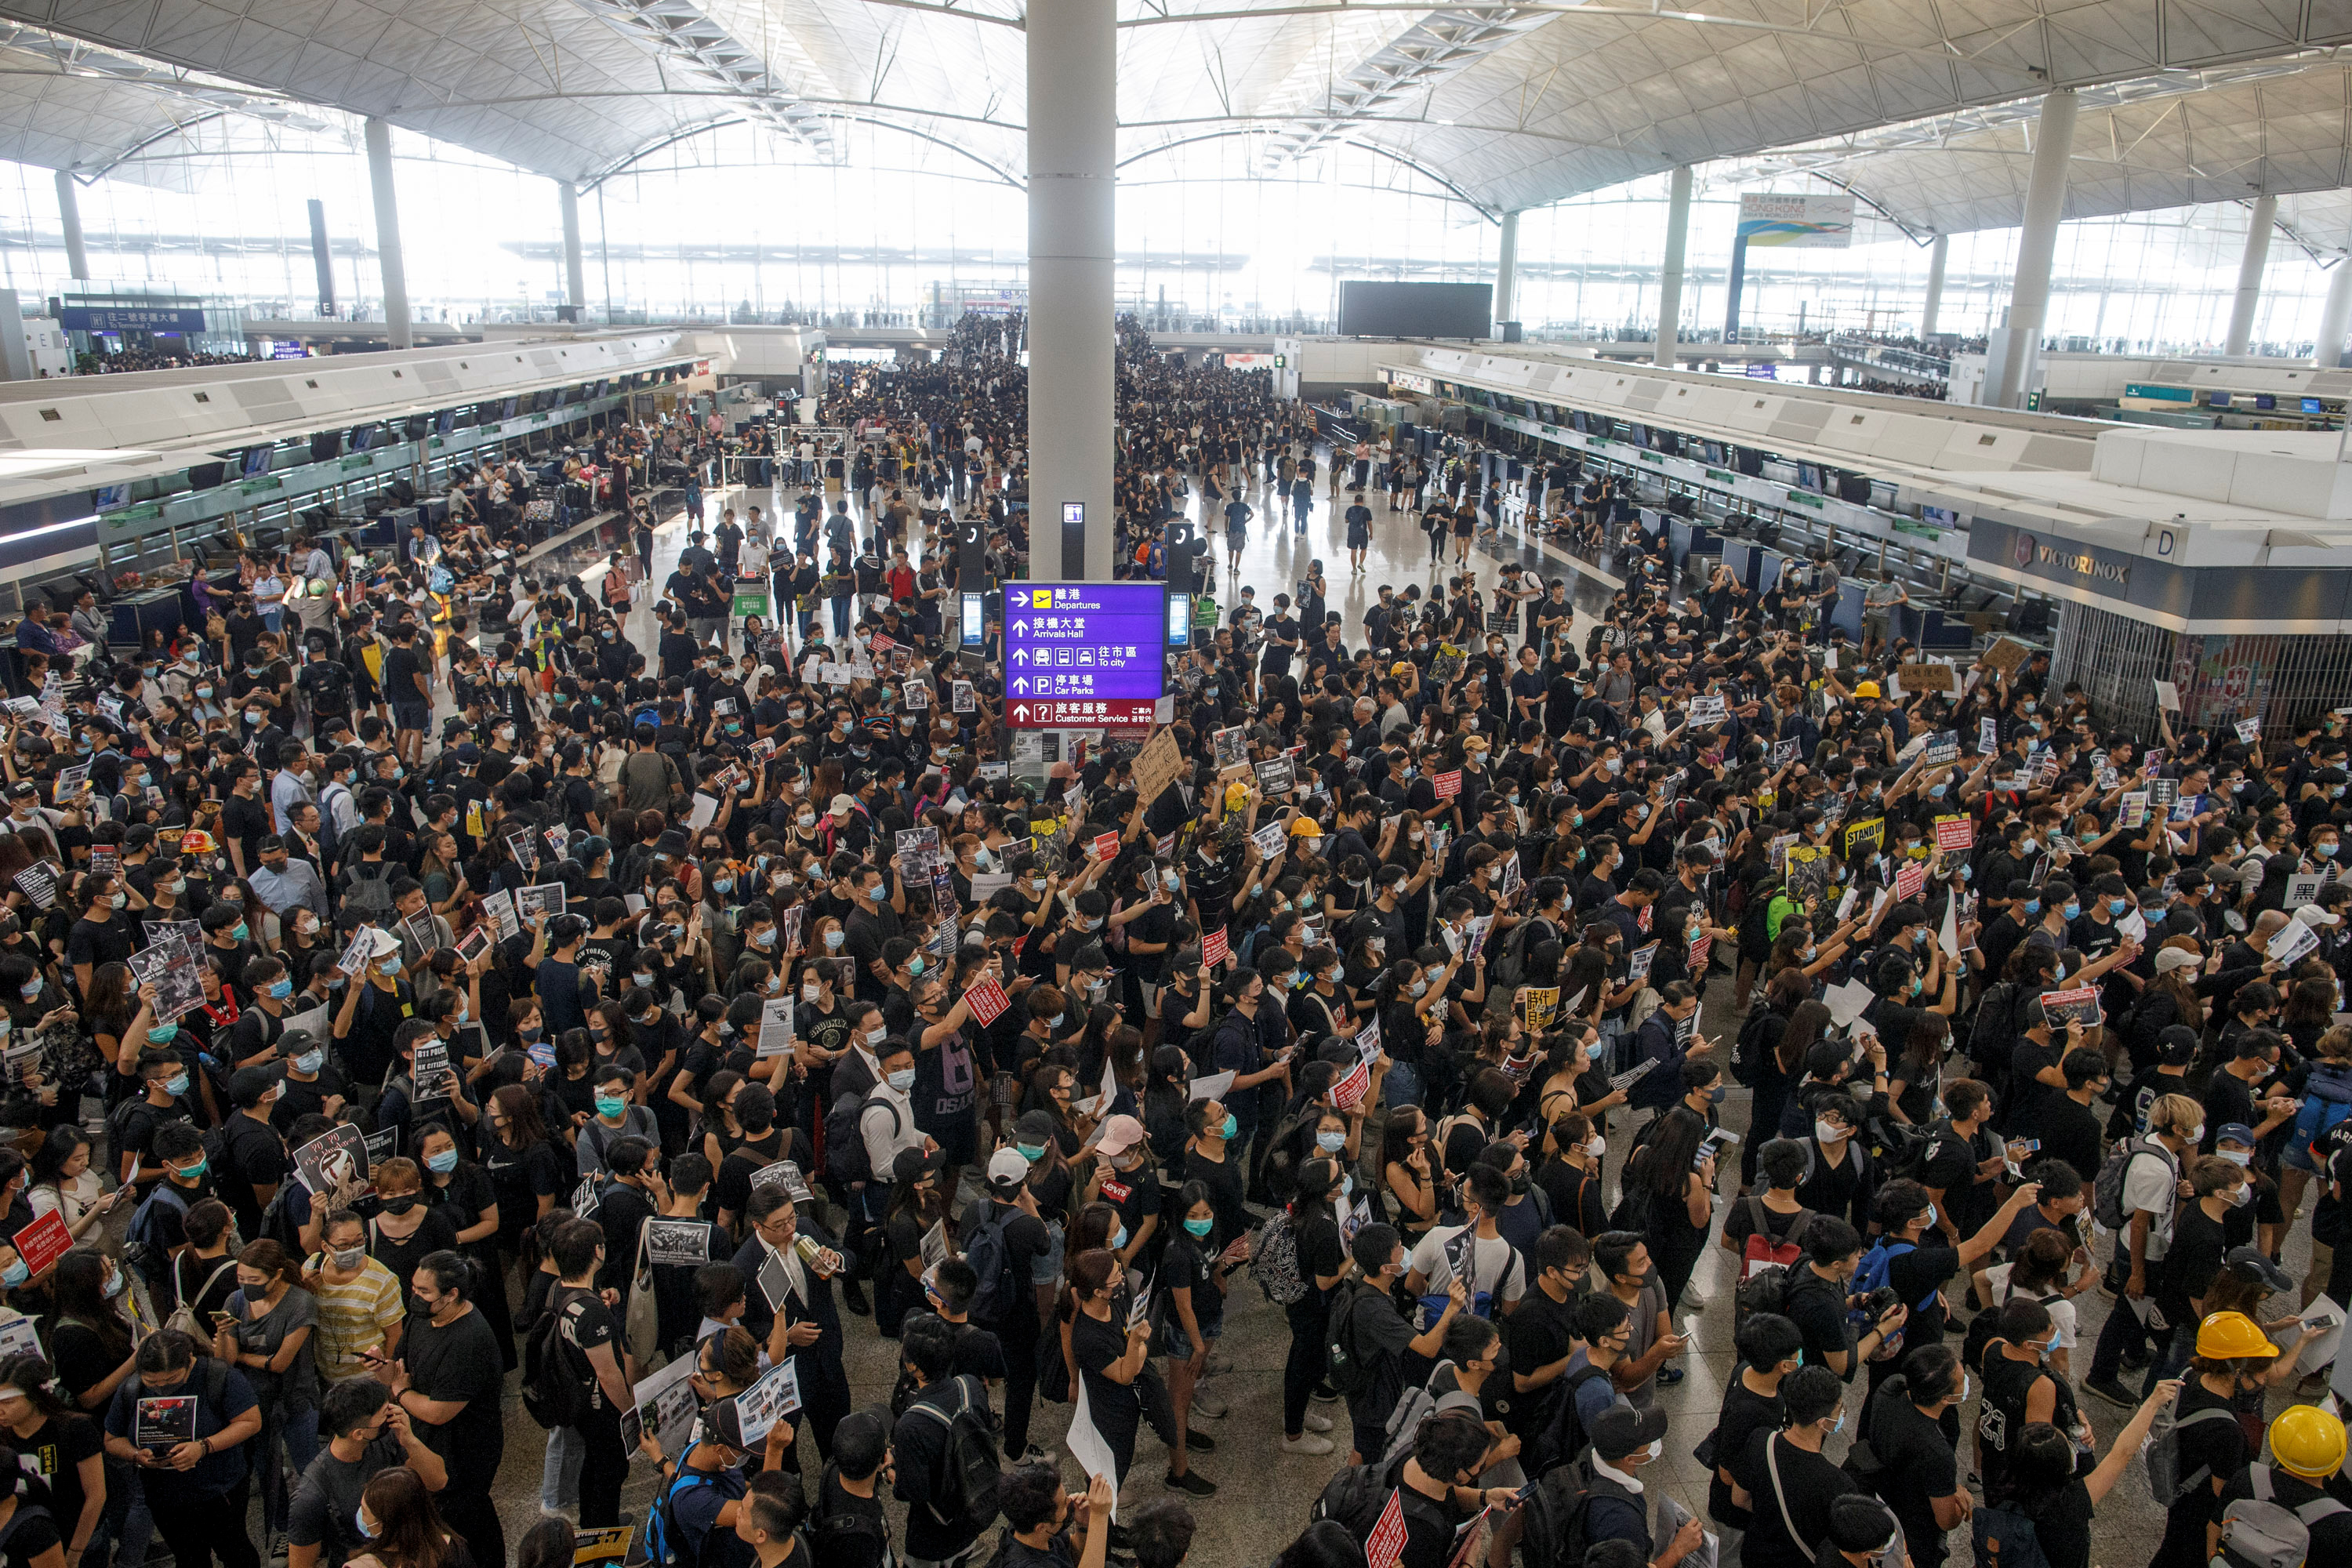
875,1035
117,1283
1230,1126
1198,1229
833,940
280,989
29,990
1118,1239
809,991
2118,905
2326,851
351,1259
444,1163
309,1061
1330,1143
15,1274
1347,1188
903,1080
2242,1157
2026,847
1831,1133
2033,906
177,1084
2073,911
1033,1153
607,1106
808,819
2242,1196
1417,987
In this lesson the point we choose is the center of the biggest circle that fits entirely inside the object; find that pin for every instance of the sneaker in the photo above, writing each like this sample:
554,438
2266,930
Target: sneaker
1200,1442
2114,1393
1669,1375
1307,1443
1190,1482
1316,1422
1208,1406
853,1296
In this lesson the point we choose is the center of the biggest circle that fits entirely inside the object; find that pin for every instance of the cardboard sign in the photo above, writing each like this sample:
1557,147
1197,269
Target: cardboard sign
1448,784
2078,1004
1955,833
43,1241
1924,677
2004,656
1910,879
987,1001
1213,948
1157,766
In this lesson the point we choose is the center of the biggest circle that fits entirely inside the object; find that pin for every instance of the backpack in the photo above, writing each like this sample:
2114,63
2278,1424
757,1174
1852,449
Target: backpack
143,1246
1510,967
1417,1405
2262,1532
1274,1261
1874,1267
663,1539
2326,1100
1350,1372
991,1260
1767,1266
970,1468
2004,1537
2164,1481
845,1160
554,1391
2107,1191
1564,1437
1556,1511
367,900
182,1316
1747,1050
846,1537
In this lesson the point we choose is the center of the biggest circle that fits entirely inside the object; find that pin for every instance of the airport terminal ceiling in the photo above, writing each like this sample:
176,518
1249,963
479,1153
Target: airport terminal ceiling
1509,105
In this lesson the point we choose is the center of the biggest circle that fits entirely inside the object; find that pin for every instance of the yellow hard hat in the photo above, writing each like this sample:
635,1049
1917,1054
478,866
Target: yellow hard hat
2307,1441
2233,1336
1868,688
1237,795
1305,827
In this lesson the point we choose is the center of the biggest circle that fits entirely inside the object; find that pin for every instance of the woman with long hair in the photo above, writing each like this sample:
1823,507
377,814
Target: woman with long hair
1319,1189
1107,1352
404,1530
69,1445
1670,1198
90,1334
916,1206
529,1172
1415,1181
204,1274
264,1332
64,1182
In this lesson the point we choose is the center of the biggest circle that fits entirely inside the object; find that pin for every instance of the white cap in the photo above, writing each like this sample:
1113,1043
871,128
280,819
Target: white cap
2313,915
1006,1168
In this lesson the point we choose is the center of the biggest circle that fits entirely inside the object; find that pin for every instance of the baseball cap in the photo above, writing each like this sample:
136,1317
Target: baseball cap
2234,1133
1119,1134
2313,915
2253,1263
1621,1429
1035,1127
843,806
914,1164
1006,1168
295,1042
2171,958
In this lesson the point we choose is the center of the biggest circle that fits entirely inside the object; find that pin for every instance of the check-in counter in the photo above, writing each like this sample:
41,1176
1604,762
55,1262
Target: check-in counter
1847,611
1687,539
1932,628
1746,558
132,616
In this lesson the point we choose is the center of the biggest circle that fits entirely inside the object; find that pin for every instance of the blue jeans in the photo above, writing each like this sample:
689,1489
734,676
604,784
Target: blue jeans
1402,1087
299,1431
840,616
558,1478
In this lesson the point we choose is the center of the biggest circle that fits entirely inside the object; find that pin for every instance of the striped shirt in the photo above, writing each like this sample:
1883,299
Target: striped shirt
353,1317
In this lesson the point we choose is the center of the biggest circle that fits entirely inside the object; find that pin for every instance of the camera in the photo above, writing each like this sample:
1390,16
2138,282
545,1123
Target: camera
1882,1300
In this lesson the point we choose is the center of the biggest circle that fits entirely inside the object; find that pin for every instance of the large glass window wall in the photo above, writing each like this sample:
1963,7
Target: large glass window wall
732,225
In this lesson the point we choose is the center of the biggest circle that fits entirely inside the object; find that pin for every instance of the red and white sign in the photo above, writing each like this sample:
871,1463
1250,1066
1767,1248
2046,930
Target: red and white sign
987,1001
882,643
1349,1092
1083,713
1910,879
1106,846
1447,786
1697,959
42,1242
1385,1548
1214,949
1955,833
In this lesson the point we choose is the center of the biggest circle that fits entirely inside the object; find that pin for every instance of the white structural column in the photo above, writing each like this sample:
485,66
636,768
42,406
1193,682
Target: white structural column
69,217
576,275
2029,293
1073,146
387,234
2335,316
1507,266
2250,274
1670,275
1936,254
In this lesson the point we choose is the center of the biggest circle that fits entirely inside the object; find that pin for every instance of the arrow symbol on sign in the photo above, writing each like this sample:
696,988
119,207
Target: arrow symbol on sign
1020,684
1021,714
1020,656
1020,628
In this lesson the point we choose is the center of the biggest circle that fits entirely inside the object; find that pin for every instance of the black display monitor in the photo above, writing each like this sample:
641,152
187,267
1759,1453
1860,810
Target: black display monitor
1372,309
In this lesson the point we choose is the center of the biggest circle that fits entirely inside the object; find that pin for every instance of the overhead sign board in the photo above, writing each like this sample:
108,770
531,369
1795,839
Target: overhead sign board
2158,394
1805,221
1085,654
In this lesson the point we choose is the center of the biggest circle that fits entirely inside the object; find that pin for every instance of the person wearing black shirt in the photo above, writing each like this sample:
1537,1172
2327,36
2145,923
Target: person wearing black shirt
2211,1446
1791,1484
253,1159
1770,1348
2229,1093
1817,1300
1007,1306
449,1381
1322,1262
852,1529
1911,1430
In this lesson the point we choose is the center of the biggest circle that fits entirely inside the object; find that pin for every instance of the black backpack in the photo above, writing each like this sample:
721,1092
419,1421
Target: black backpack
992,1261
554,1387
845,1140
970,1468
1747,1050
1564,1437
1557,1510
1351,1372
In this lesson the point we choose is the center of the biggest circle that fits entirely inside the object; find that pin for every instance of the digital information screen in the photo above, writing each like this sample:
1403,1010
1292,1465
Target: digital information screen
1085,654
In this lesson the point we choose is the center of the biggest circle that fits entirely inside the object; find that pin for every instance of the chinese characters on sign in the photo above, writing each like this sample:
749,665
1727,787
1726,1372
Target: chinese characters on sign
1085,655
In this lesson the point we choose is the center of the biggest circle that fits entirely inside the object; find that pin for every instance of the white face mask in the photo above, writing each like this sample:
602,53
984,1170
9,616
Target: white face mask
1598,1147
1831,1133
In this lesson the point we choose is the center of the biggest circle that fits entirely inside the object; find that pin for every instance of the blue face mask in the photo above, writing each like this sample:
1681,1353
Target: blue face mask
2073,911
280,989
1120,1239
1198,1229
163,1035
2033,906
1330,1143
1229,1126
2118,905
15,1274
444,1163
309,1061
